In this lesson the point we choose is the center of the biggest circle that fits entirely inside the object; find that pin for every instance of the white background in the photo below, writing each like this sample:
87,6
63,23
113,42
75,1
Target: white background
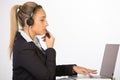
81,28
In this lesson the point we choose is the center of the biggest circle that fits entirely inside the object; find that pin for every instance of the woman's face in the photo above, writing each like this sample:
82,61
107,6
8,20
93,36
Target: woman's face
40,22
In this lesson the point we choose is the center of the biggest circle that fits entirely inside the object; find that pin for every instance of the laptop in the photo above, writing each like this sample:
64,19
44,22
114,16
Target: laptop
107,67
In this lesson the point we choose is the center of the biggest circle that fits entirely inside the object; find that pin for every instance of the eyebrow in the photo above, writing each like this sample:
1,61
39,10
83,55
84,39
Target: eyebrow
43,17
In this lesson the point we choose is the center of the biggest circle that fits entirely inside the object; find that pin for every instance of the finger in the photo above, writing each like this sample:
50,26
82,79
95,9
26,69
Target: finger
92,72
82,72
88,71
85,72
44,38
91,69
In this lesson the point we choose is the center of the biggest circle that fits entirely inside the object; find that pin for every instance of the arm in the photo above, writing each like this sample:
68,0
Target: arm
65,70
38,66
70,70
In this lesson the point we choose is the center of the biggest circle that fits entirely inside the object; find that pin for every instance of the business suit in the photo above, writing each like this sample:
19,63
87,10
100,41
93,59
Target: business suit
30,63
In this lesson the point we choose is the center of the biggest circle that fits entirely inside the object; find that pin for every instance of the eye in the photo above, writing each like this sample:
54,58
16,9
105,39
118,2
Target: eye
42,20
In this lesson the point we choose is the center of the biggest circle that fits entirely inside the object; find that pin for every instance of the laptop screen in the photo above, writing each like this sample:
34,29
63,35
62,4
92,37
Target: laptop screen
109,60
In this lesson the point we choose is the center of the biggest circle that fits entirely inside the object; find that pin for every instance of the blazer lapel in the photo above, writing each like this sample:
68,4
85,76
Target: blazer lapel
39,52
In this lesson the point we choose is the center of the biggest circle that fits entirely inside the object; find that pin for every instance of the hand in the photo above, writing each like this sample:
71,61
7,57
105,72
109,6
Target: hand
49,41
84,71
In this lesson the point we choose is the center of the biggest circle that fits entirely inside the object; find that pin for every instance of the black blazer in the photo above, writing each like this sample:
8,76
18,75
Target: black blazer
30,63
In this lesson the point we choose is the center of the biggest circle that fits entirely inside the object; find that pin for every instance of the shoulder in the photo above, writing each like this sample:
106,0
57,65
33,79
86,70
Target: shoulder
21,43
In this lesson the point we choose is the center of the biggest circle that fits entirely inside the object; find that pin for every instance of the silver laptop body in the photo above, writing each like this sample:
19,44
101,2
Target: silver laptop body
109,60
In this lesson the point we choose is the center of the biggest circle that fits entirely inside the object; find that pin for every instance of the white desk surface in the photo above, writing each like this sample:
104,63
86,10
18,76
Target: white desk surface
81,78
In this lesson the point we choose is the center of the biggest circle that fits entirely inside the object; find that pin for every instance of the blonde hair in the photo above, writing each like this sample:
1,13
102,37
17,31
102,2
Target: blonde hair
18,14
14,27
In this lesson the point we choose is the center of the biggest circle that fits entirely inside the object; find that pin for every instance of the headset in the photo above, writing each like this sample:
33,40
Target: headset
30,20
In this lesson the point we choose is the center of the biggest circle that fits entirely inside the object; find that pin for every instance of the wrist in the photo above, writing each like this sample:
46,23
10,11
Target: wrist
74,68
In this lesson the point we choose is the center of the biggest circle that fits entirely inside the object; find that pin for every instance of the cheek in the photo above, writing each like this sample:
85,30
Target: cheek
39,30
39,27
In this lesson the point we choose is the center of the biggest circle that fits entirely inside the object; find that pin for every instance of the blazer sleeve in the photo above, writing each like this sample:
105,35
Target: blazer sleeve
30,61
65,70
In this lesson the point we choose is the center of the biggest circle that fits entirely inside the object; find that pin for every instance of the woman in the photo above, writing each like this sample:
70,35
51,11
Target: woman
30,61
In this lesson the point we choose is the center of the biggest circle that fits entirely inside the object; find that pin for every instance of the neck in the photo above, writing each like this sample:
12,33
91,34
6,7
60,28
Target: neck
29,32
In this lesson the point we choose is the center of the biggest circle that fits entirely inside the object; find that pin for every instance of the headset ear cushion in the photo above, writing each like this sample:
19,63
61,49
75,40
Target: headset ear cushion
30,21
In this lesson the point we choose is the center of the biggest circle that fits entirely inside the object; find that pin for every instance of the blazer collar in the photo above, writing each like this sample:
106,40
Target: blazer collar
25,36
